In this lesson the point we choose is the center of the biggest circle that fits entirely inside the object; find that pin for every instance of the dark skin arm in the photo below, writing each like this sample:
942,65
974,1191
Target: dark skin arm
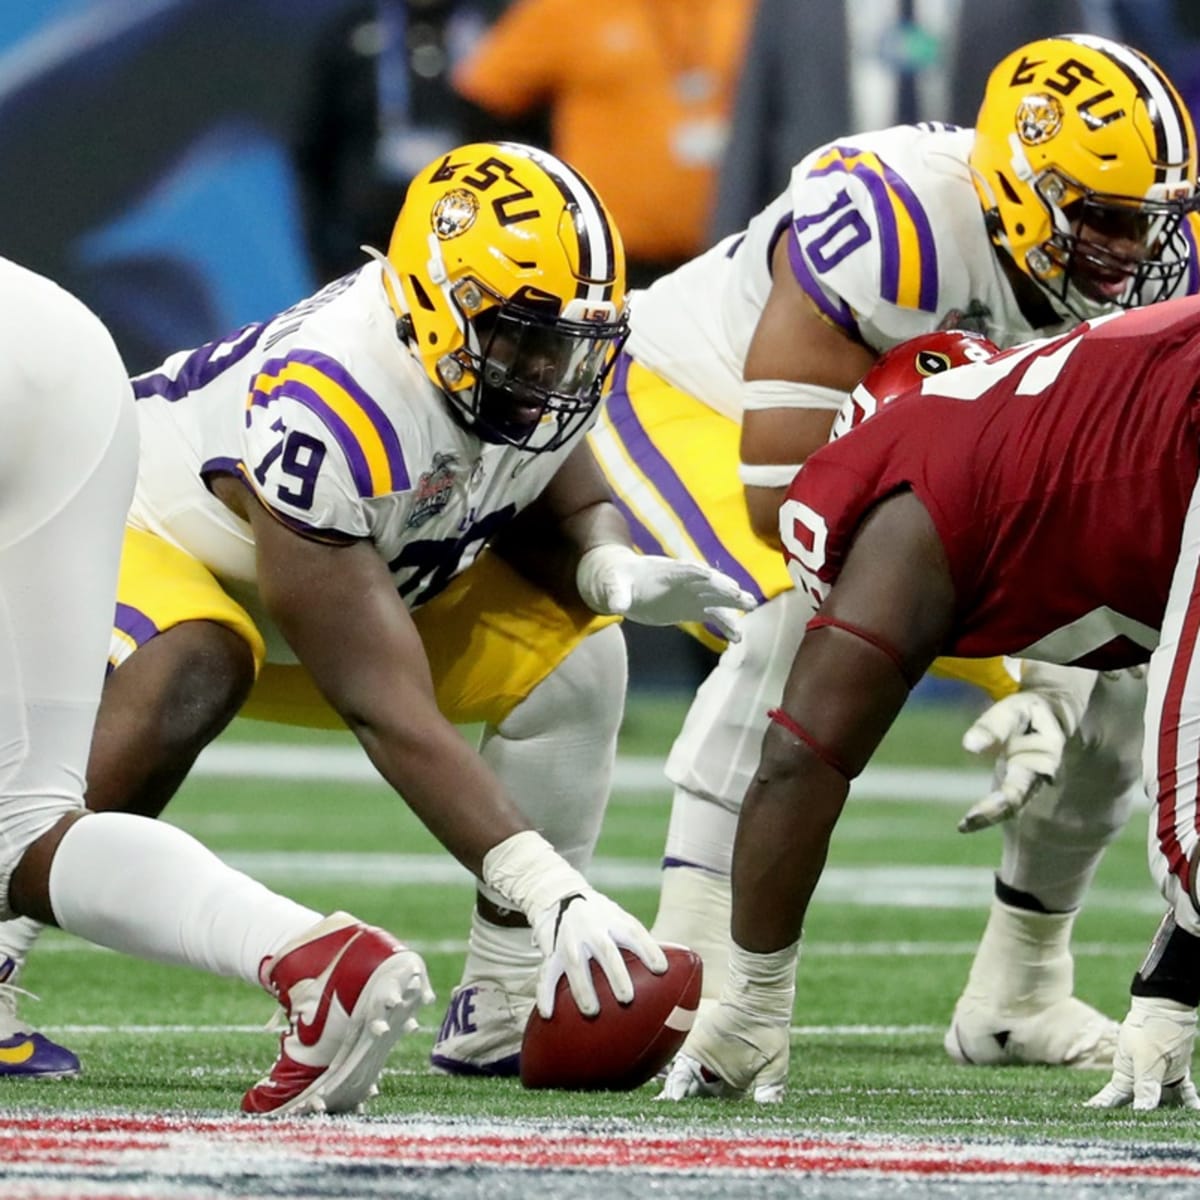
338,607
794,343
574,513
846,693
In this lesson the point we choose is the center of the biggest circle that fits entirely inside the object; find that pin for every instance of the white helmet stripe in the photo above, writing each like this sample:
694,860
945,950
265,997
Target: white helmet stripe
596,251
1170,130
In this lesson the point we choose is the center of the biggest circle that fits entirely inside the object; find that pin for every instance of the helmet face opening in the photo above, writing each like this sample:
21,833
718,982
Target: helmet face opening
510,276
1113,250
1084,161
537,378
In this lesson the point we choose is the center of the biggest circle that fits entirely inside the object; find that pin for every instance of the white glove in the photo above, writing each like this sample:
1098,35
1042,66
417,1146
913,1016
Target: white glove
1153,1063
580,927
654,590
1028,731
741,1047
572,922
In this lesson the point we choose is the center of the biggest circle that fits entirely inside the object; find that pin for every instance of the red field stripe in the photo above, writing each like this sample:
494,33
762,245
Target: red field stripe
101,1140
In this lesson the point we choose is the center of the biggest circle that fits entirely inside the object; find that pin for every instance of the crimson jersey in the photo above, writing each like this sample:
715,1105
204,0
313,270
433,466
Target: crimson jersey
1058,476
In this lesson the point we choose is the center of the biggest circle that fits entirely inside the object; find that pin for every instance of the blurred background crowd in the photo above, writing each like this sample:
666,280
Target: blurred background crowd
187,166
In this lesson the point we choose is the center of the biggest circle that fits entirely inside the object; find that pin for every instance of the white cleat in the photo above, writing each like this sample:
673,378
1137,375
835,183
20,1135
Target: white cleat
1068,1033
482,1031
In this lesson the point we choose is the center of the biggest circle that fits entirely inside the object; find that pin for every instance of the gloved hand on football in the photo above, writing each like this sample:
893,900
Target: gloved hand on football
655,590
572,922
1028,733
742,1046
1152,1067
582,926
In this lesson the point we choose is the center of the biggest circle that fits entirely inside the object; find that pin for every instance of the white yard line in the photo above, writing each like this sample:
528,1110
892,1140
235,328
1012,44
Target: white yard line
349,764
63,943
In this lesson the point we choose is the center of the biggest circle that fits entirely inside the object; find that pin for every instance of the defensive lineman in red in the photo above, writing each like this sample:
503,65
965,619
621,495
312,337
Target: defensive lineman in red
1041,504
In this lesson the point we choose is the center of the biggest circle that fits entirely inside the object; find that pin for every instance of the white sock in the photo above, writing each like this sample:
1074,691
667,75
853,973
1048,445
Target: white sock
147,888
17,938
700,834
694,911
501,953
1024,963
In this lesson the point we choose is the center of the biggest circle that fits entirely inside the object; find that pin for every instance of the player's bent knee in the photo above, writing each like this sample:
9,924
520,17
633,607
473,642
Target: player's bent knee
159,709
30,830
188,683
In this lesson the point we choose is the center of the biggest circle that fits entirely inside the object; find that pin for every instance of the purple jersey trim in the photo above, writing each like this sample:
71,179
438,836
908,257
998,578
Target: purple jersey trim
655,467
134,624
839,313
312,400
200,367
878,186
237,468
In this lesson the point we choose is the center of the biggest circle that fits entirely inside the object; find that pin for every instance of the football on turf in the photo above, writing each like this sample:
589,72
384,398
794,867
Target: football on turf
623,1045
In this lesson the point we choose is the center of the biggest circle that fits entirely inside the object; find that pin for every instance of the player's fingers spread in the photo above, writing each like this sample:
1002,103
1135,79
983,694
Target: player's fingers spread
547,985
614,968
725,590
981,738
579,979
645,947
991,810
723,620
684,1079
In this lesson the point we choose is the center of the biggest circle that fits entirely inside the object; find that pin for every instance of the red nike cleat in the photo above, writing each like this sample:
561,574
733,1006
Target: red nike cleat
350,991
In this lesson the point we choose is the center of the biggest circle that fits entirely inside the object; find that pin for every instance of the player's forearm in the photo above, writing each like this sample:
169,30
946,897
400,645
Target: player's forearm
782,841
447,785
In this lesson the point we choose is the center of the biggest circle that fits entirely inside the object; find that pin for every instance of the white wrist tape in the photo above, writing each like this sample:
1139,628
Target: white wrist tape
762,985
593,566
782,393
767,475
530,873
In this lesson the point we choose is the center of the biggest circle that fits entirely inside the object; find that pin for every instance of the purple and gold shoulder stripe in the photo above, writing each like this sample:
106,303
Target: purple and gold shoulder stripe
907,251
356,422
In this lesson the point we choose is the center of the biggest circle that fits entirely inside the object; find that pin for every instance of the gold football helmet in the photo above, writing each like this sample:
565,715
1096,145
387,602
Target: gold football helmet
507,277
1085,163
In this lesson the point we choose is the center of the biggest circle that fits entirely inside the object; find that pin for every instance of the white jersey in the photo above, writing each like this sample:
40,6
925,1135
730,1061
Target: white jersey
331,420
886,235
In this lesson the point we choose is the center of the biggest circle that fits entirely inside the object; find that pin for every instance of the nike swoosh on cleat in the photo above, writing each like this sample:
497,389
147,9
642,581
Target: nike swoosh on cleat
311,1032
16,1054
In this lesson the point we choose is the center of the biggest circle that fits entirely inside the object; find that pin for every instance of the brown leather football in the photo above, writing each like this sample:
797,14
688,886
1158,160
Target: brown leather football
623,1045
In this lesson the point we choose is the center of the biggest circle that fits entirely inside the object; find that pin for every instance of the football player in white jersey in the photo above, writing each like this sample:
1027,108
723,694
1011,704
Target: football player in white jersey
68,463
1072,196
307,544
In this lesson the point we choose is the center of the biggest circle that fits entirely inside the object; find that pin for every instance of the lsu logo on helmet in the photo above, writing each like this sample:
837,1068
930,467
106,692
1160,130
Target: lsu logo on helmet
1039,118
455,213
1090,196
